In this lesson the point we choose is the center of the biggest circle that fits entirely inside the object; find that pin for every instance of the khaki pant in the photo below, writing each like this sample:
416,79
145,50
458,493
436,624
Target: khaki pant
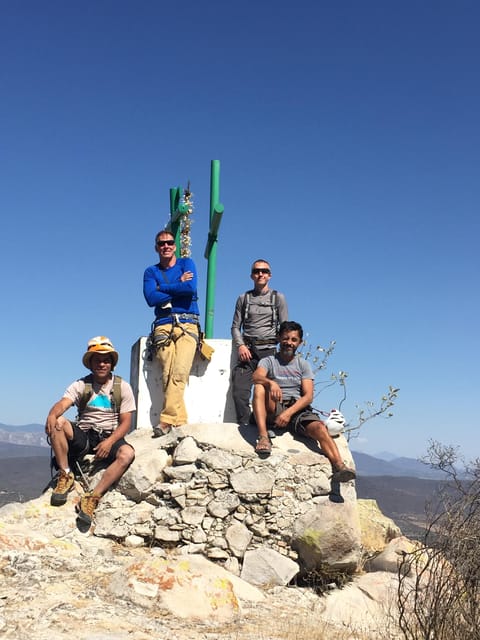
176,358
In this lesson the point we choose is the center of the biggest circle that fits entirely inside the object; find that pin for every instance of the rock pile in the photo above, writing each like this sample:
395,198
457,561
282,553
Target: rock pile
202,489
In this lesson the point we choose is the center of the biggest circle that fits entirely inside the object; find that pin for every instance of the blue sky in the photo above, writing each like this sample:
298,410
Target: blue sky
348,136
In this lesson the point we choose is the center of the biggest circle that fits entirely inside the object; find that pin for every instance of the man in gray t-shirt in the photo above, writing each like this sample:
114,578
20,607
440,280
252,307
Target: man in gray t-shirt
258,314
282,399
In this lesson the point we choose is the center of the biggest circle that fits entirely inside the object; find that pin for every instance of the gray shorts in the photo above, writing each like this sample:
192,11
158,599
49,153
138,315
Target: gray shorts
299,420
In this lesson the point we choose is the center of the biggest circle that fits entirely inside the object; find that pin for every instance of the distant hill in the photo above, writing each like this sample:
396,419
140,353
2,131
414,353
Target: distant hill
28,434
385,455
24,428
370,466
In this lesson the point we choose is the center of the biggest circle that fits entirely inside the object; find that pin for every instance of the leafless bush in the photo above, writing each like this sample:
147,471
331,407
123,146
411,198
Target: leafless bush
319,357
438,593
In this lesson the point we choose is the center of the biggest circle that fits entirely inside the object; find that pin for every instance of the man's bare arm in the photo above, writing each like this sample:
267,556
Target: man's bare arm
55,412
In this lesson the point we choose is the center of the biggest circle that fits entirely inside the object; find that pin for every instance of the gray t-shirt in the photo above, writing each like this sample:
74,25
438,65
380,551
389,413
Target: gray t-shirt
288,375
258,322
99,413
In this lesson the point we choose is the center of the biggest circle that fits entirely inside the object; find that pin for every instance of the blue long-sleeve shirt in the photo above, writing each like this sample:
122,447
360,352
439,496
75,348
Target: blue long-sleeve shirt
163,290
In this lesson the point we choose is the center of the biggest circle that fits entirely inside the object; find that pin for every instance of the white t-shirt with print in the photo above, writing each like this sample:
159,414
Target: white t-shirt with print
99,413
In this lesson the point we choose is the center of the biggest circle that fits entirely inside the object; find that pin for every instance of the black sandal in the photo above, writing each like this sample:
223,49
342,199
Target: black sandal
263,447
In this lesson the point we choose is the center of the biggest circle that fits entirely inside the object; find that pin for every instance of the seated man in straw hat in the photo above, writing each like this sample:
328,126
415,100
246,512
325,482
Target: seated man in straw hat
104,419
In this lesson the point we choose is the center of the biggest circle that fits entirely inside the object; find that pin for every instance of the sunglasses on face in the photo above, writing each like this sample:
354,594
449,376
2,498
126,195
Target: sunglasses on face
168,243
257,272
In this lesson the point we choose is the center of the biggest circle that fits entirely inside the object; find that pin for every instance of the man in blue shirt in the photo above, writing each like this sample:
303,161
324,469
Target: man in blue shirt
170,286
282,398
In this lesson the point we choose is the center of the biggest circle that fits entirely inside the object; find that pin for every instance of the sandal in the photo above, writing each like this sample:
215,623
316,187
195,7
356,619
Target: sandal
263,447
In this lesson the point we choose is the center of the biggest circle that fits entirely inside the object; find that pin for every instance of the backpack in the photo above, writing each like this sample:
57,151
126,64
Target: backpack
115,394
271,303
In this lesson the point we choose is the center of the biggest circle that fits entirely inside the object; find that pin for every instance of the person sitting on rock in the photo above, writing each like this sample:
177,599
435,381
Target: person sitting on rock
104,419
283,392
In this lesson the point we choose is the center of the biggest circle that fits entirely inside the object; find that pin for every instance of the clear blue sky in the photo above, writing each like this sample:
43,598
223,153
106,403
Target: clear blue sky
348,136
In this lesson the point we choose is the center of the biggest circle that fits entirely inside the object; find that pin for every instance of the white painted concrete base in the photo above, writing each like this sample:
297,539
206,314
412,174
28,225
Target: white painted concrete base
208,395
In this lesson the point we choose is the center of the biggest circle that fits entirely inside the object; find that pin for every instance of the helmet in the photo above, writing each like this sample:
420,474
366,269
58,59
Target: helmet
335,422
99,344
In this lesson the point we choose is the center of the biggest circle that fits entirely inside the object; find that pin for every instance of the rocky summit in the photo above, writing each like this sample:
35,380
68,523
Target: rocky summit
203,539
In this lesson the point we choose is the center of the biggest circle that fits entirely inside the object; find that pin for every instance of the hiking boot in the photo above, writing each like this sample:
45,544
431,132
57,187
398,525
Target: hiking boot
88,504
65,482
161,430
342,473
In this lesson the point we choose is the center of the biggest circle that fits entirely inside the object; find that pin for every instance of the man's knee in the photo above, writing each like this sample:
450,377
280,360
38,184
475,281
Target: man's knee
259,391
317,430
63,430
125,455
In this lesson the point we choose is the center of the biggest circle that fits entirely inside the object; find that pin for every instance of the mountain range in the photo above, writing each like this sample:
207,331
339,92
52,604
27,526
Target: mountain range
28,434
367,465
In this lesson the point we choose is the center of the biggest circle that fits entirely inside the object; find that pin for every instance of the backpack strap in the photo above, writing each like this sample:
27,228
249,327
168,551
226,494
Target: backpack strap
246,305
115,394
274,303
86,395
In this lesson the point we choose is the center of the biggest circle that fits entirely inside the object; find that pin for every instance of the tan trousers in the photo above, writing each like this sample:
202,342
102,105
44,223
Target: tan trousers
176,358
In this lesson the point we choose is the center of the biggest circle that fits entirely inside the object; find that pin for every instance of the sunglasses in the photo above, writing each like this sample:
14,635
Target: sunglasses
162,243
257,272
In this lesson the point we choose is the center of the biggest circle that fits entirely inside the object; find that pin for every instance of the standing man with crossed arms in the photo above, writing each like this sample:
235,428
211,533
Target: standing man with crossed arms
170,286
258,314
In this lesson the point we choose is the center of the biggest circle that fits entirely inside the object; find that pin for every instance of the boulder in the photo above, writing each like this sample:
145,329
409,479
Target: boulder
390,559
265,567
190,587
328,538
376,529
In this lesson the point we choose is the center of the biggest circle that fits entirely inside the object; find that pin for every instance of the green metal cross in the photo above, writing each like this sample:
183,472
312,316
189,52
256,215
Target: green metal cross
177,211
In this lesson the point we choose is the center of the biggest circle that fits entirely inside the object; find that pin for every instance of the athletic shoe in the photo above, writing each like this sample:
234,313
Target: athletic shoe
65,482
161,430
342,473
88,504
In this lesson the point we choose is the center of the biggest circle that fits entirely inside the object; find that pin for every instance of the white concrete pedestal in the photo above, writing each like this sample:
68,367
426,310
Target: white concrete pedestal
208,395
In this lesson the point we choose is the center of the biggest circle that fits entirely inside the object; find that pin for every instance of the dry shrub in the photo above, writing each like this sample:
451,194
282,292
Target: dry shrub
438,592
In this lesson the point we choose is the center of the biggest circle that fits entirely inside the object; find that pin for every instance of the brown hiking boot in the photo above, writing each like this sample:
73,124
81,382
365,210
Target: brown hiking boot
88,504
342,473
161,430
65,482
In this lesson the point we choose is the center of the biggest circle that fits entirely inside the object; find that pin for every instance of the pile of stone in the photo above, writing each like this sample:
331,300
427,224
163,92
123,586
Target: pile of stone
202,489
